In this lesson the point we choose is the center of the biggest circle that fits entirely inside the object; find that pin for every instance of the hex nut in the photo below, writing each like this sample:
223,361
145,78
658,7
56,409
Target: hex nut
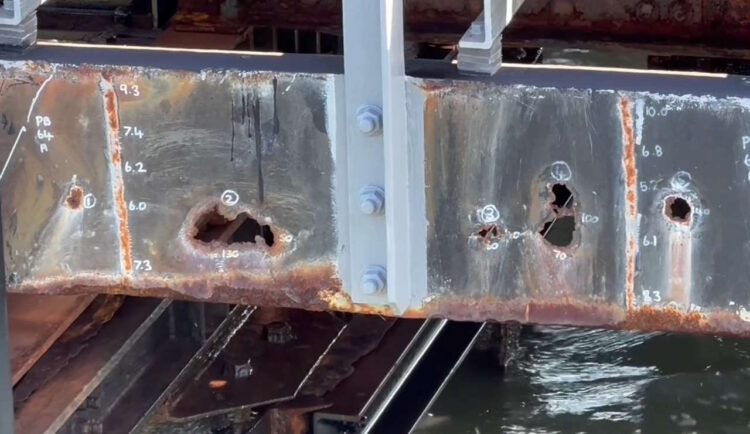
370,119
372,200
374,280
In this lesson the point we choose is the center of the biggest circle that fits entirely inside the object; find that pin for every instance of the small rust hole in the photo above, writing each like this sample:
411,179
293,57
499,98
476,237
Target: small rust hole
213,226
563,196
489,232
559,231
75,198
678,209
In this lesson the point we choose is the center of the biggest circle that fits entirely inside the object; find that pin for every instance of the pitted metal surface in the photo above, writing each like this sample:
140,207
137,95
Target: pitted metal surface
115,167
499,153
557,196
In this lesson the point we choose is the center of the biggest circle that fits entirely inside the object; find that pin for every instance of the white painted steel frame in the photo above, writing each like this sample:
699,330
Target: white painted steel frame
374,74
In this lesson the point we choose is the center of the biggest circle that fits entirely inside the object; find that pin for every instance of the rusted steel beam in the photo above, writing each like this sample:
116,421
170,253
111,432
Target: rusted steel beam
36,321
560,196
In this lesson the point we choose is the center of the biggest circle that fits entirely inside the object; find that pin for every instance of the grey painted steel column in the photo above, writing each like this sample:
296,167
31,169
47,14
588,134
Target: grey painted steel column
362,158
6,393
384,159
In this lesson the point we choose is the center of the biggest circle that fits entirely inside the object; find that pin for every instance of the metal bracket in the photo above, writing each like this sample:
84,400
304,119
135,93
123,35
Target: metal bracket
480,48
18,25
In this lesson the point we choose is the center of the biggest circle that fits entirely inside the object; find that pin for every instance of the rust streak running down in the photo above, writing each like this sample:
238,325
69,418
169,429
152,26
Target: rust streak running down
114,149
631,197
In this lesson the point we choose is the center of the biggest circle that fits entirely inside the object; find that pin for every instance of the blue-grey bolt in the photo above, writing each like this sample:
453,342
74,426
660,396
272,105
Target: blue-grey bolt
372,200
370,119
374,280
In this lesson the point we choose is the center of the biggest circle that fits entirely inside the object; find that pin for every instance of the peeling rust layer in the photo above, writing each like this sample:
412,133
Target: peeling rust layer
576,313
118,186
631,197
312,288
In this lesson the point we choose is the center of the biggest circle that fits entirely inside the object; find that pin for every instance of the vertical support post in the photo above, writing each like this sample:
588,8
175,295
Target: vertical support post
363,154
6,392
386,253
399,247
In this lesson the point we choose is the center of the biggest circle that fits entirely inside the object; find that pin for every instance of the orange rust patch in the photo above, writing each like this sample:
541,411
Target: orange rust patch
654,319
125,242
631,195
630,278
112,116
628,140
75,198
217,384
560,311
113,121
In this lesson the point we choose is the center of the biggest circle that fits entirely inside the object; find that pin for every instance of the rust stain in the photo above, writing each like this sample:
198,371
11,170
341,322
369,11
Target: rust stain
311,287
118,185
628,140
680,266
584,313
105,309
318,288
655,319
217,384
631,197
562,311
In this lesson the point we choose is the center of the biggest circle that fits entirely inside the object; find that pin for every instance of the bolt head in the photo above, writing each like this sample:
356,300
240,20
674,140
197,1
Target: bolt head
370,119
368,206
374,280
367,124
372,200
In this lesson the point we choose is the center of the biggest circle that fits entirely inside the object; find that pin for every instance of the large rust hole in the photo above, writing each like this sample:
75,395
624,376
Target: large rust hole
213,226
563,196
678,209
559,231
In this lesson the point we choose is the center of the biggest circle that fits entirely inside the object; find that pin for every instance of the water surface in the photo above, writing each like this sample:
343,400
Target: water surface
572,380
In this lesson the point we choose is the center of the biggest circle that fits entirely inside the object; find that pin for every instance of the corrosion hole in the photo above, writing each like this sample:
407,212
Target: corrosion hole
563,196
75,198
559,232
678,209
242,229
490,231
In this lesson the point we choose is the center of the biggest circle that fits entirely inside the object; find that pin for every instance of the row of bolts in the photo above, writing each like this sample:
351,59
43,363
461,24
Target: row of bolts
372,197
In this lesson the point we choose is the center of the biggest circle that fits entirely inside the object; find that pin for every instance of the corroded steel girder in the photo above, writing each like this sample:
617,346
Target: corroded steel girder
560,196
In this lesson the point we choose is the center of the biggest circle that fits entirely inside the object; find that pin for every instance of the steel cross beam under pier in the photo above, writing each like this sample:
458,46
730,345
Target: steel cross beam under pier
551,195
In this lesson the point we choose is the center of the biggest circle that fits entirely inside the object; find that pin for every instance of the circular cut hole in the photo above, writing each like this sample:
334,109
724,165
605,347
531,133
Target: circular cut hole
678,209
